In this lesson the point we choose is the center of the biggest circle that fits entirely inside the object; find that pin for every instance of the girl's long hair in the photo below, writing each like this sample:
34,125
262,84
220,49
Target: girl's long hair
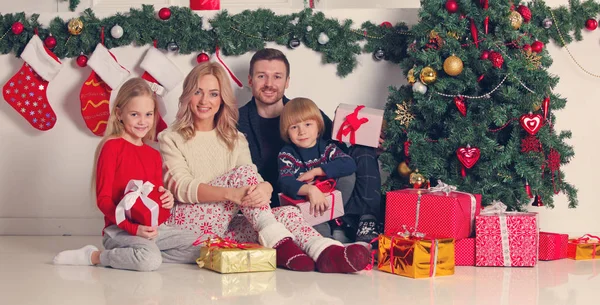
227,116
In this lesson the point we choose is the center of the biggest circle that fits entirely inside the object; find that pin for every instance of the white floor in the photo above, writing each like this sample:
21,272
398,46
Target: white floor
28,277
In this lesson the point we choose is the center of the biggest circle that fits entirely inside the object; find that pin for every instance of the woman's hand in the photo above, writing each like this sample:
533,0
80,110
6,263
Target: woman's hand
236,195
258,195
318,203
166,199
147,232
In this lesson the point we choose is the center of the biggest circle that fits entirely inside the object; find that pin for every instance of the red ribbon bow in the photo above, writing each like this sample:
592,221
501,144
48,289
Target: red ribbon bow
327,187
351,124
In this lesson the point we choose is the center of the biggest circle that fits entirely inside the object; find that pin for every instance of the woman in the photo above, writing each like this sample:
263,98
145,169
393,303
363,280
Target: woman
209,170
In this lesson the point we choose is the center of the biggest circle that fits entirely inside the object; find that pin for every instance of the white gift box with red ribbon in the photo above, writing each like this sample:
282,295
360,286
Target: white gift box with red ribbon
334,199
357,125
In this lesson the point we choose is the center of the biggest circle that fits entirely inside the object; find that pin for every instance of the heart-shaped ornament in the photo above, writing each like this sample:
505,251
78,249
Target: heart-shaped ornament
468,156
531,123
459,101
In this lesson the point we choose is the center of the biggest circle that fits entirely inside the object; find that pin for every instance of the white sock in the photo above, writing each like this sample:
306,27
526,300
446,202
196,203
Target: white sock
80,257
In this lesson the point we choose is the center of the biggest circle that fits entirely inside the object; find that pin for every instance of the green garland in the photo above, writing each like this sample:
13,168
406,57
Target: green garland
72,4
235,34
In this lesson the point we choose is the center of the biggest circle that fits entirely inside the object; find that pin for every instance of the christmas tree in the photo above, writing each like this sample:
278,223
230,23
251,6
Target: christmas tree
478,110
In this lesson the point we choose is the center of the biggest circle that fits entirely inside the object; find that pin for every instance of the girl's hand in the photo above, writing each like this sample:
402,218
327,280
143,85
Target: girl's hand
166,199
258,195
147,232
318,203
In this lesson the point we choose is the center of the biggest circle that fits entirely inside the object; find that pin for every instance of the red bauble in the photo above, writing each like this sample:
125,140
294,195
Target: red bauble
386,24
461,105
496,59
537,46
202,57
17,28
527,48
164,13
468,156
485,55
525,12
591,24
82,60
451,6
50,42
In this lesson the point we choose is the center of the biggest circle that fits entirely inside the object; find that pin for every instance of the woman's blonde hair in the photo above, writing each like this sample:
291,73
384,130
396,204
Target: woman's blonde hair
130,89
227,116
298,110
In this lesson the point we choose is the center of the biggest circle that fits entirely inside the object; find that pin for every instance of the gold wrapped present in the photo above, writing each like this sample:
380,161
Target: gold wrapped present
416,257
584,247
227,256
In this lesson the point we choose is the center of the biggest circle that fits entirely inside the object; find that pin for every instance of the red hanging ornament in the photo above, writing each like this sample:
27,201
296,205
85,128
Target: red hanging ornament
528,189
554,165
468,156
496,59
537,46
530,143
386,24
82,60
164,13
485,4
480,78
537,202
546,107
459,101
531,123
50,42
451,6
485,55
406,148
17,28
202,57
486,24
474,33
525,12
591,24
527,48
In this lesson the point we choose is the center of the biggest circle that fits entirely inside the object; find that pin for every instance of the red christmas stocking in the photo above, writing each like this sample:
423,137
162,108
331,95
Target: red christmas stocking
162,75
26,90
95,92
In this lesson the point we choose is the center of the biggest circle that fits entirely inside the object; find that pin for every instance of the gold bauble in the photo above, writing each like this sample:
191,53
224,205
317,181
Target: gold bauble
417,179
453,65
75,26
403,169
428,76
515,20
411,76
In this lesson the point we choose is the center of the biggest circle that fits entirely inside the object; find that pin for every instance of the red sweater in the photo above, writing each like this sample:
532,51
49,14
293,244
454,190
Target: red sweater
119,162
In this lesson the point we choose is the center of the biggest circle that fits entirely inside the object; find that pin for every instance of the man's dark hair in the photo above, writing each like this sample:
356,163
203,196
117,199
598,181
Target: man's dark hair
269,54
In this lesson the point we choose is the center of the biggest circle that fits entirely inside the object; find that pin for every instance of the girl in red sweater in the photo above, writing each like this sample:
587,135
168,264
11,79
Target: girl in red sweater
122,156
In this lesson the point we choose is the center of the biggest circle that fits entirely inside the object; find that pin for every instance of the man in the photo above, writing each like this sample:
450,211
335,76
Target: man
268,77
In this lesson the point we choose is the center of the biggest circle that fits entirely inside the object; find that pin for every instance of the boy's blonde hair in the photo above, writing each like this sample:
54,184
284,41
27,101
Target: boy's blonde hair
130,89
227,116
298,110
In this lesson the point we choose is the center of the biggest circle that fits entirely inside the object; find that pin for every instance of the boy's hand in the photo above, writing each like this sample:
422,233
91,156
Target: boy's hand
318,202
311,175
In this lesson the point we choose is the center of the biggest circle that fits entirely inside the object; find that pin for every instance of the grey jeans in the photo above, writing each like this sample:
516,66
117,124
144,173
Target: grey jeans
125,251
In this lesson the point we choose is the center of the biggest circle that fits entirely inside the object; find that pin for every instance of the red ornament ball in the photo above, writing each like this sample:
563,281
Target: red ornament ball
591,24
451,6
164,13
82,60
202,57
485,54
537,46
527,48
525,12
17,28
386,24
50,42
496,59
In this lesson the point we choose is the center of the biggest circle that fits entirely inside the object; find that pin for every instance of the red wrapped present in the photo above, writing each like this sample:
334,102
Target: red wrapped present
141,205
553,246
464,252
438,212
333,196
585,247
506,239
205,5
357,125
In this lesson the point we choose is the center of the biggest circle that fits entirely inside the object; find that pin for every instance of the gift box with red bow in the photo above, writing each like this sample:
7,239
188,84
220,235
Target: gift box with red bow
439,212
357,125
553,246
506,239
585,247
334,199
141,204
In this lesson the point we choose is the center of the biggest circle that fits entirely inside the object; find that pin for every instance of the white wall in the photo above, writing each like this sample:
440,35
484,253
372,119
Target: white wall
44,176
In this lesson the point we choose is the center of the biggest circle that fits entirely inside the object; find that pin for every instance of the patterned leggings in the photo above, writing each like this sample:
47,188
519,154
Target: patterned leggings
219,218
